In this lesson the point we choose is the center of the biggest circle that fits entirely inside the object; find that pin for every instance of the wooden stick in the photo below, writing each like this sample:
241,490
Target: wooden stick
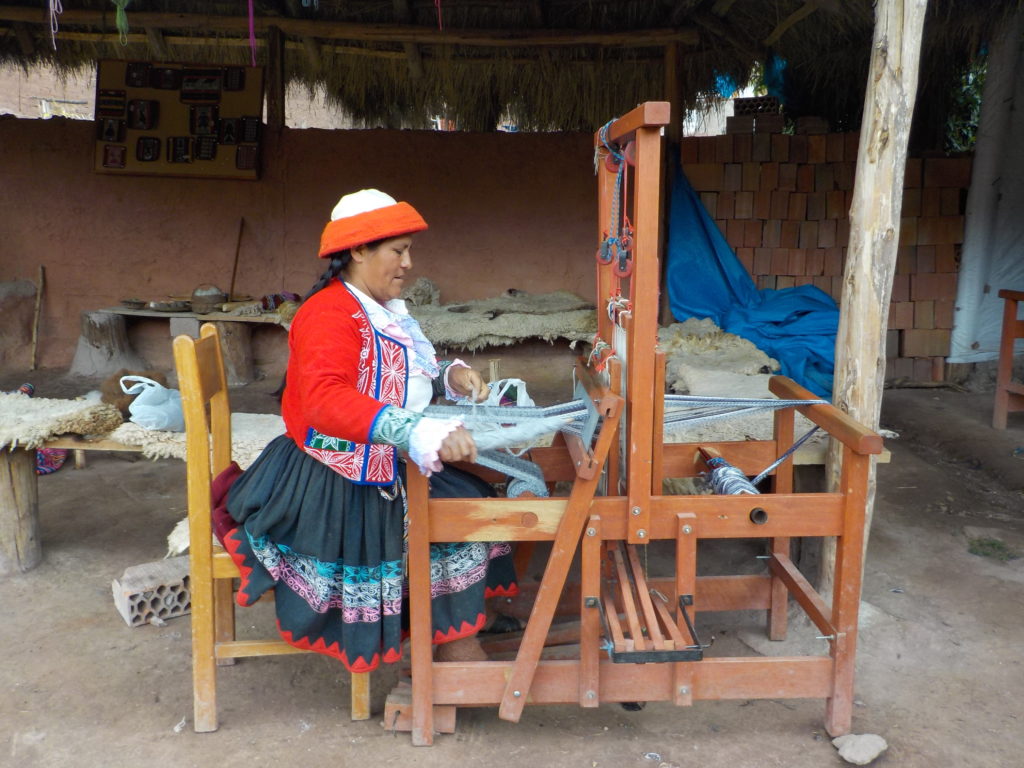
35,315
234,266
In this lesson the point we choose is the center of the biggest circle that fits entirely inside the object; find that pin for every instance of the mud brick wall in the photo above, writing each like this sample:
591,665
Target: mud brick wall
783,201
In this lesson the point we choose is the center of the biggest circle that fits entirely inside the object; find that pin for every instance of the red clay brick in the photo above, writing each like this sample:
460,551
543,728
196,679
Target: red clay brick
785,281
744,205
780,148
815,261
815,205
797,149
852,140
790,237
797,206
901,288
947,257
780,261
769,123
746,257
732,177
805,178
912,175
944,314
908,231
710,202
938,369
845,175
834,147
689,149
727,205
734,232
752,233
706,149
925,343
924,315
835,205
763,258
925,258
942,230
837,288
822,282
947,172
931,202
816,149
722,225
903,368
824,178
705,177
843,232
787,176
763,204
911,202
751,177
935,286
742,144
950,201
723,148
906,260
769,176
923,369
772,234
780,204
827,233
901,315
766,282
761,151
808,234
802,280
797,262
833,261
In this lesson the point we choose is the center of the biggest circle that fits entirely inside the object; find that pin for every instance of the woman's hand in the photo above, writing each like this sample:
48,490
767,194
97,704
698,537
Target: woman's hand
458,446
468,383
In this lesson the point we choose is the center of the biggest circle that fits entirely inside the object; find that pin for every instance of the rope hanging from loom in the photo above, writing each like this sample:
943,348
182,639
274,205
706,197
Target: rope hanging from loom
55,10
618,240
252,33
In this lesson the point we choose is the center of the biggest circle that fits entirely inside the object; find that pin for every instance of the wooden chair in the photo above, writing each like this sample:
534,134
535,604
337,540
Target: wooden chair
1009,394
204,398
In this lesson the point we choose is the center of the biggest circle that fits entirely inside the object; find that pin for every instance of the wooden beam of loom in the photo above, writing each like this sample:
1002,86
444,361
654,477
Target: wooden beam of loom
382,33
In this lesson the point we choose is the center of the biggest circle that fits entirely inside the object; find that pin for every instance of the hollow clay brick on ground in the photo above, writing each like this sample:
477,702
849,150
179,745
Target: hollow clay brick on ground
797,262
827,233
771,236
931,202
763,204
808,234
761,150
762,259
925,258
946,257
901,288
816,149
798,149
790,234
769,176
723,149
824,178
787,176
742,147
908,231
780,148
947,172
924,315
901,315
816,204
744,205
911,202
727,205
805,178
732,177
934,286
751,176
815,262
943,229
797,206
944,309
925,343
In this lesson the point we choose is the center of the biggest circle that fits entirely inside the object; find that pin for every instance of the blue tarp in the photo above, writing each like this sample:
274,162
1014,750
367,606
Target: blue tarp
797,326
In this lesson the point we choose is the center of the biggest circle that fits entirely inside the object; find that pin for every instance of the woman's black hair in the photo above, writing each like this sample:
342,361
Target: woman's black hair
339,261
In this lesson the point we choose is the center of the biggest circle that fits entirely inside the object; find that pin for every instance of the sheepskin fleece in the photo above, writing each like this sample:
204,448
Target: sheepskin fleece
28,422
504,320
250,432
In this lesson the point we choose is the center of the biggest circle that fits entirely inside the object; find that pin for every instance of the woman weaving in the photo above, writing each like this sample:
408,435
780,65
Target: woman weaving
319,517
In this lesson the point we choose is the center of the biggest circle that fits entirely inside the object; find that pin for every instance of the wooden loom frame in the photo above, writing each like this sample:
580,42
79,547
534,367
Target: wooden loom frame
591,523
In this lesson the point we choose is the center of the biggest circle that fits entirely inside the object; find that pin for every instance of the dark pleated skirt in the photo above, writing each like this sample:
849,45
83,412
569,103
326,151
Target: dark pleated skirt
332,551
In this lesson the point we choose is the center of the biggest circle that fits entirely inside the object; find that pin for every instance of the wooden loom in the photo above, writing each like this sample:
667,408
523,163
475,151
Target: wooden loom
622,615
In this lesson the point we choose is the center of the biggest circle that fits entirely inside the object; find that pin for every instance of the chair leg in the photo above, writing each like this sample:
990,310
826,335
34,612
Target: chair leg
224,615
204,667
360,695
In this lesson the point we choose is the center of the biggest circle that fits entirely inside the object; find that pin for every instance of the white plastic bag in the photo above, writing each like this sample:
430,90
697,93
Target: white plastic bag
500,387
155,406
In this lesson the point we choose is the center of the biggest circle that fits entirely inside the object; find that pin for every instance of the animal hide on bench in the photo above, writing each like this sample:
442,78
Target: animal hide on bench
28,422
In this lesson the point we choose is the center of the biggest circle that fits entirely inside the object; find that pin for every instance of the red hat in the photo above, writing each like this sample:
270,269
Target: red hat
365,216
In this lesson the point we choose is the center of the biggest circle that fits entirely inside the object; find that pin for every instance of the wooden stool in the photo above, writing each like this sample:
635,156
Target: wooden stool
1009,394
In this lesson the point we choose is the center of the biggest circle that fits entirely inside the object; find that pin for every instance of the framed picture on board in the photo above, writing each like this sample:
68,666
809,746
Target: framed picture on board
114,155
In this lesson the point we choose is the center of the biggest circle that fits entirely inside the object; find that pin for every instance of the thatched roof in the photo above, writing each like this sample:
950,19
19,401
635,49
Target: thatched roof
544,64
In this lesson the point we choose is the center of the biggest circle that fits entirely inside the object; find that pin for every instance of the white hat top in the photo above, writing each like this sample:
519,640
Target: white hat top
361,202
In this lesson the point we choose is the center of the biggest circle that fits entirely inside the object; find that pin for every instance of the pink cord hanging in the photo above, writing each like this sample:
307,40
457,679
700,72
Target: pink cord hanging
252,33
437,7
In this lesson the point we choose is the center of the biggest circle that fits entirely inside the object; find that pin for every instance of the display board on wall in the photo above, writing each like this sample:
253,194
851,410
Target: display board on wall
178,120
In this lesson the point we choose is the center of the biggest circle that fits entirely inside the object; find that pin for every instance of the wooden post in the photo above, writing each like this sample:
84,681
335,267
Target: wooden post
20,549
275,79
874,233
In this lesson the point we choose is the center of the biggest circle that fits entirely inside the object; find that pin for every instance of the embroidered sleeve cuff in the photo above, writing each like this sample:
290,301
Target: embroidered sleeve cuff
450,393
393,426
438,382
425,442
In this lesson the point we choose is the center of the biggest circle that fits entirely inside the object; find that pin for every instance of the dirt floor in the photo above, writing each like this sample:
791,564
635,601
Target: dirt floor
939,665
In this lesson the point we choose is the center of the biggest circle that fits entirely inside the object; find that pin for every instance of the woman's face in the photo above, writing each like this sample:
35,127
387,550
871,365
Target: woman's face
380,272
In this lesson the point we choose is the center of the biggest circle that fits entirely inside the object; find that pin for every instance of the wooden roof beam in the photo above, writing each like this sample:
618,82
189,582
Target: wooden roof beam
25,40
336,30
793,19
403,14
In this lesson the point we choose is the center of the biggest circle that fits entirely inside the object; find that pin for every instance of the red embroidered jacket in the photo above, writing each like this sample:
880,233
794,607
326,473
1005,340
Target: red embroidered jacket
341,374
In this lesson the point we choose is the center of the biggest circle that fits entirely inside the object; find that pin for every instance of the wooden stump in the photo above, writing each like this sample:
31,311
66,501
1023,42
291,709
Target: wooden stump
20,549
236,346
103,346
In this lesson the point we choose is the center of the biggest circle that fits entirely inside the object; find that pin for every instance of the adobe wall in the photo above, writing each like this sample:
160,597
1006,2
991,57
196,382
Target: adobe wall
505,211
783,203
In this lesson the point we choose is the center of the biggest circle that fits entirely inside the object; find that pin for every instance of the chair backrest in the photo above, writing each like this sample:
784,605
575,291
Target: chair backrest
207,412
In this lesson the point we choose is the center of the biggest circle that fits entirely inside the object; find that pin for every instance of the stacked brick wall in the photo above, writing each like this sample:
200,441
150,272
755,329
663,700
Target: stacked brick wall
782,201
